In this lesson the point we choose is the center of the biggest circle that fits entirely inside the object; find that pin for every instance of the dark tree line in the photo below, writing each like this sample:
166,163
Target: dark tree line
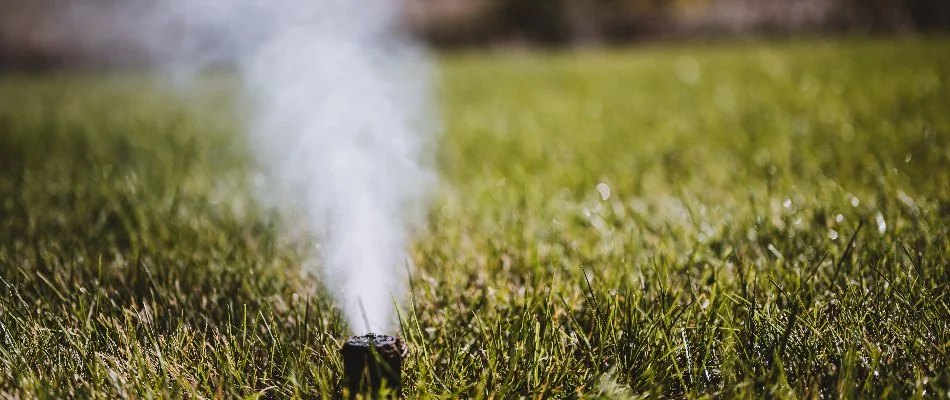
894,15
31,36
555,22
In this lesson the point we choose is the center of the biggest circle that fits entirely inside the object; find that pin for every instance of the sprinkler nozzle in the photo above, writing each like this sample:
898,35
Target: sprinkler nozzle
372,362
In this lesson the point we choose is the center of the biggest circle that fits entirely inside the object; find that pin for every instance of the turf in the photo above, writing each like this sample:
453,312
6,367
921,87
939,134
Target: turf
729,220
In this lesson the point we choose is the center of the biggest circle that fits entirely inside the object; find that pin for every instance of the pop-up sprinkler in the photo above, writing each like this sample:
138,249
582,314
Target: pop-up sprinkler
373,362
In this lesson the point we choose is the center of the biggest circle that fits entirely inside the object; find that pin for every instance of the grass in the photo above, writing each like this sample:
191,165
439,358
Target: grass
777,224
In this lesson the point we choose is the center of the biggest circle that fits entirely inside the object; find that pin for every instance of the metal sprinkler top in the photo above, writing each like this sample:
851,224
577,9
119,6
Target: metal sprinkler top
381,342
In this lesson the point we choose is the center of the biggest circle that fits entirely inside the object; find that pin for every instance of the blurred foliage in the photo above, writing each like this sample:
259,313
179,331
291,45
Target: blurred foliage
41,34
616,21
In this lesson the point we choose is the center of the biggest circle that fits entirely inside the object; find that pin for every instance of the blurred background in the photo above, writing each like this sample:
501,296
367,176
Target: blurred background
49,34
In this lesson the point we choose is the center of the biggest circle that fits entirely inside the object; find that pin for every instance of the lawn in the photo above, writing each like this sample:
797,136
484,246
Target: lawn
728,220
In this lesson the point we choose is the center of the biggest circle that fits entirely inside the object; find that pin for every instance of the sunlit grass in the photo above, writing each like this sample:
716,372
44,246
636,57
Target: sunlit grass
733,220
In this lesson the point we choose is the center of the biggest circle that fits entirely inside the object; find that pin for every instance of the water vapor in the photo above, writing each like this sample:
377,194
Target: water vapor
340,123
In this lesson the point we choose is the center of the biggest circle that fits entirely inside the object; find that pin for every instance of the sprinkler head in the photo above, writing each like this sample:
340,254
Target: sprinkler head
372,362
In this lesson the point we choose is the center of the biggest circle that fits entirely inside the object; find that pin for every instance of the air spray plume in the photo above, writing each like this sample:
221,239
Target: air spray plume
339,123
342,135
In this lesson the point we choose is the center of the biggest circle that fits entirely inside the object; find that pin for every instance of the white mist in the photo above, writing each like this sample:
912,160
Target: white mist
340,132
340,122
